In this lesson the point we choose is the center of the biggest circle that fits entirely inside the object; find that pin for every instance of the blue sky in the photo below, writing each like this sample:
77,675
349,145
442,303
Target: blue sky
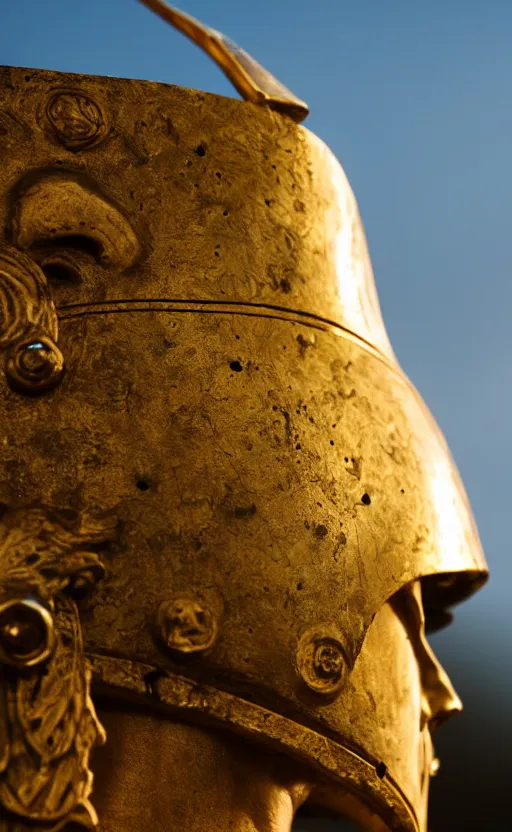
415,98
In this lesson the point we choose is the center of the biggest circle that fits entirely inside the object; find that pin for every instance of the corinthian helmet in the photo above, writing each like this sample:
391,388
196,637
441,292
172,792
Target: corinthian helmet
222,497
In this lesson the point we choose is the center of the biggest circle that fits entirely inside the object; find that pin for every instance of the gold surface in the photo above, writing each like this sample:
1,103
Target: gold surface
275,491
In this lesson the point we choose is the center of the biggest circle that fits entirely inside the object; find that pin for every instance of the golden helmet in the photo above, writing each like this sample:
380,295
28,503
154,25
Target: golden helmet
203,422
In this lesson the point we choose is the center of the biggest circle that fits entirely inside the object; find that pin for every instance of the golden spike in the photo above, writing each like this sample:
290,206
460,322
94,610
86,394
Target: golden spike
250,79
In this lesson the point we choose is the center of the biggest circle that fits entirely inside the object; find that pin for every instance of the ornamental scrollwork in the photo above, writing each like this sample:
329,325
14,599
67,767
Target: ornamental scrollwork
48,724
28,325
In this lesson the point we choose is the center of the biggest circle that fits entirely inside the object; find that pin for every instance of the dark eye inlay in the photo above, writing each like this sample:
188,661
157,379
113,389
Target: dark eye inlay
61,272
65,262
81,243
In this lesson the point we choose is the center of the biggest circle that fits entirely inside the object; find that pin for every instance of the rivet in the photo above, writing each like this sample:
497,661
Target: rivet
27,634
321,660
35,366
186,625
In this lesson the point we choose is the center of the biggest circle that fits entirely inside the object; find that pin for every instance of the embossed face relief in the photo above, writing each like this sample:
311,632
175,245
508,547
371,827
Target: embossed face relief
186,626
76,119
